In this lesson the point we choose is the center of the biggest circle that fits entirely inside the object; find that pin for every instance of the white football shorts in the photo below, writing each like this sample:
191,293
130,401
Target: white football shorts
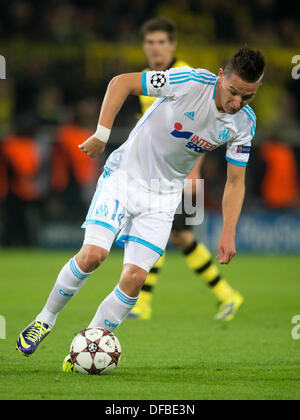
141,220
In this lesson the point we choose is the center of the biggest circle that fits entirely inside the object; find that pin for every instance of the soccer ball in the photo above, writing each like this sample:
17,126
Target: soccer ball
95,351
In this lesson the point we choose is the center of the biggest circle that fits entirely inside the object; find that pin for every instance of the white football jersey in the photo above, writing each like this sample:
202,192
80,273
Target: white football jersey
182,124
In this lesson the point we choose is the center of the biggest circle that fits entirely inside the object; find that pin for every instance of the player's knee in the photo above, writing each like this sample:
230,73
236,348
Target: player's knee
90,257
133,276
139,277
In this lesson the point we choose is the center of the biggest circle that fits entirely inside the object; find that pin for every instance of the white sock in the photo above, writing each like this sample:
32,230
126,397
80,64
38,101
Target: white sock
69,281
113,310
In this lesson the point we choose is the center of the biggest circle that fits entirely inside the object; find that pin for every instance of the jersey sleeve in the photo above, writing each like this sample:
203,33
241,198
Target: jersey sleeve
238,150
169,83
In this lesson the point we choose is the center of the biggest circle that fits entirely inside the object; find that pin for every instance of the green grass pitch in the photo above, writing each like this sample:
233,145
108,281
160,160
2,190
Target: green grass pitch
180,354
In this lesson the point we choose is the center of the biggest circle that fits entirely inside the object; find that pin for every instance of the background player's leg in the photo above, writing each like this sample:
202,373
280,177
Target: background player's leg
199,259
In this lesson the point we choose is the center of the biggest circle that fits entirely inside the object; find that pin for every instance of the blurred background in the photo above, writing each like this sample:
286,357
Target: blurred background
60,56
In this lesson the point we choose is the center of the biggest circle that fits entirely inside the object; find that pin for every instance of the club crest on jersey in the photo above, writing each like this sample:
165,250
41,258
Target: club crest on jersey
158,80
224,135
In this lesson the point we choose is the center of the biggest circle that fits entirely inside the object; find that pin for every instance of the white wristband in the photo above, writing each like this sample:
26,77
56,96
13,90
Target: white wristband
102,133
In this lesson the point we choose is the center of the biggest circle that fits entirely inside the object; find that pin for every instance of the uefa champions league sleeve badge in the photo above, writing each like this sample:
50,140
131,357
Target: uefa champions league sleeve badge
158,80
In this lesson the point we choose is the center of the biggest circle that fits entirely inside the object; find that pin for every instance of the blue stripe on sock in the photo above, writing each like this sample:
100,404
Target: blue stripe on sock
125,299
76,272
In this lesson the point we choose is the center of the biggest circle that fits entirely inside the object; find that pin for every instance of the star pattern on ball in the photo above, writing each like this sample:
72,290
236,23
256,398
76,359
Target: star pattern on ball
95,351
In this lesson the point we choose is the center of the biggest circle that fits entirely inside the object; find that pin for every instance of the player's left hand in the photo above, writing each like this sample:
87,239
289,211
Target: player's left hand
226,249
92,147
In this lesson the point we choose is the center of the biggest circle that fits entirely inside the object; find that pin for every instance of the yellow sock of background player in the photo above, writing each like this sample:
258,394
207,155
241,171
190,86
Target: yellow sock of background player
199,259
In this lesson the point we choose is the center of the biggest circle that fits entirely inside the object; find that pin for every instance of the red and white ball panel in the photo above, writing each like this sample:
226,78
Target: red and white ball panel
78,344
95,351
94,334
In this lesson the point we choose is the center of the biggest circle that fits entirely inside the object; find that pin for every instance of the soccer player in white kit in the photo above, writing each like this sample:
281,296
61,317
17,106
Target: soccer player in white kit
141,186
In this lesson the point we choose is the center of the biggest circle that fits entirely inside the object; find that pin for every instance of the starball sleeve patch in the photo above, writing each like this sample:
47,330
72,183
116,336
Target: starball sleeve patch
158,80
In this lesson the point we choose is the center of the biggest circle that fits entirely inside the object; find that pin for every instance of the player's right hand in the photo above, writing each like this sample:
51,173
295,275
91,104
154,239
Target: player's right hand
92,147
226,248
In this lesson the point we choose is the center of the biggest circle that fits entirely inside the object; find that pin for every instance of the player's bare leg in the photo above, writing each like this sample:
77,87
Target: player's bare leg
143,309
132,279
90,257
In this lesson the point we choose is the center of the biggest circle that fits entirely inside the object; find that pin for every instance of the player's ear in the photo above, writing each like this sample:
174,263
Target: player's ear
221,73
174,45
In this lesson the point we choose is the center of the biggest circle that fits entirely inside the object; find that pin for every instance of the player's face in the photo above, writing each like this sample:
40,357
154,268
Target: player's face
158,48
234,93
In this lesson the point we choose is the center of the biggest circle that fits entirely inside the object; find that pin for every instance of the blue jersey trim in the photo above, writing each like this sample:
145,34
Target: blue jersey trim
250,114
184,75
214,92
124,238
143,122
248,107
235,162
144,83
194,80
100,223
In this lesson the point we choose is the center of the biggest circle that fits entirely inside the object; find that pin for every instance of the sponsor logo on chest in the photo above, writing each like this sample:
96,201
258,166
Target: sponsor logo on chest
196,143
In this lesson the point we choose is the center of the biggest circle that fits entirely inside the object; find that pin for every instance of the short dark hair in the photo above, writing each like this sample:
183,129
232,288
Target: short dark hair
160,24
247,64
